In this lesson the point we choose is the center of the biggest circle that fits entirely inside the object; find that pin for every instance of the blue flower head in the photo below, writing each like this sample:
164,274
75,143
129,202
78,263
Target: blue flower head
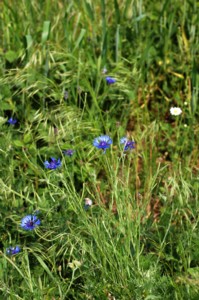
68,152
53,164
29,222
127,144
13,250
110,80
12,121
102,142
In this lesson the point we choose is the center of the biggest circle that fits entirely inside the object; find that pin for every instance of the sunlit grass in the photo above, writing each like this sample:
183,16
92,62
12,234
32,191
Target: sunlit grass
139,238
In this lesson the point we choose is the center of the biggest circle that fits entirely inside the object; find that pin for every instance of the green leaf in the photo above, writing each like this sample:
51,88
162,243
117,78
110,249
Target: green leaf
194,272
89,10
82,33
45,267
11,56
45,31
27,138
18,143
2,120
29,41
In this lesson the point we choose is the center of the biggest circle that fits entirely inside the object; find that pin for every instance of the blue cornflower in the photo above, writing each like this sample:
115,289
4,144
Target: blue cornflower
12,121
53,164
29,222
127,144
13,250
68,152
102,142
110,80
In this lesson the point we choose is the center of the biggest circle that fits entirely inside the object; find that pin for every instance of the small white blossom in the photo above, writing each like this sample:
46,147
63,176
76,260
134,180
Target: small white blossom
75,264
175,111
88,202
104,70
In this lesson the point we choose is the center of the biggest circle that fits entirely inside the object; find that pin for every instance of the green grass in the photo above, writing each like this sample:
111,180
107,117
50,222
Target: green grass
139,239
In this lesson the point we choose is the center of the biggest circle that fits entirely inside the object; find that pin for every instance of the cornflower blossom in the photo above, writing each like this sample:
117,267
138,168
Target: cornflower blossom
102,142
110,80
13,250
68,152
53,164
175,111
29,222
127,143
12,121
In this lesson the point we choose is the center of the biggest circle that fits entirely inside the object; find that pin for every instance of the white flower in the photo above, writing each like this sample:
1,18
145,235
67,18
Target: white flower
104,70
75,264
175,111
88,202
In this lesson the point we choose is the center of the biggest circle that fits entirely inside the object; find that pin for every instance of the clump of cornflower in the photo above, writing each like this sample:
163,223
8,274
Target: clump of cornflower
68,152
102,142
12,121
13,250
127,143
110,80
88,203
29,222
175,111
53,164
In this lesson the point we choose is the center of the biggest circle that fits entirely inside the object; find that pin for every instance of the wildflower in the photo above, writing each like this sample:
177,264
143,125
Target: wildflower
104,70
127,144
68,152
12,121
88,203
175,111
13,250
75,264
102,142
29,222
53,164
110,80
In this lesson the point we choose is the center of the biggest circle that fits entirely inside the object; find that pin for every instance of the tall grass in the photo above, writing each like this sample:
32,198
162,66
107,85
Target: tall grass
139,238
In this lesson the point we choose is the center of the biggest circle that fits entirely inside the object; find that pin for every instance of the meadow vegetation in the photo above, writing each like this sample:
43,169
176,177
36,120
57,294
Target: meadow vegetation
93,223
